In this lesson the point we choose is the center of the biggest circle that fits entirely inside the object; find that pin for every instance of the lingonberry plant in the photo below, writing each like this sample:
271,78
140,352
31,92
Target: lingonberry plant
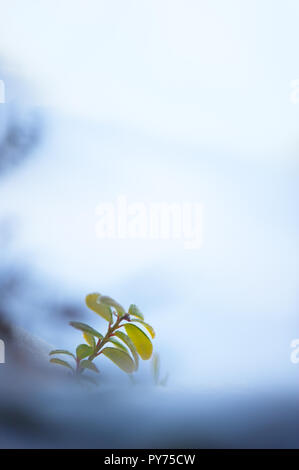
125,346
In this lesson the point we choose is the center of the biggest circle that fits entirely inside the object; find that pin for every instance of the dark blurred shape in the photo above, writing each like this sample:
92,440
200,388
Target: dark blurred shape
21,135
20,123
20,132
5,328
22,293
69,311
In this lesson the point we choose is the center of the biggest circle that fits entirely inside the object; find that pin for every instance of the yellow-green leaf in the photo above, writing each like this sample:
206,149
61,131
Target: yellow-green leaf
149,328
83,351
89,365
88,329
60,362
134,310
89,339
120,358
61,351
101,308
104,299
118,344
141,341
125,338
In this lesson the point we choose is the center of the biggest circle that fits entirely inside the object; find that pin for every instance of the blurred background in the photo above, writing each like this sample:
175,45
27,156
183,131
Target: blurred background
161,101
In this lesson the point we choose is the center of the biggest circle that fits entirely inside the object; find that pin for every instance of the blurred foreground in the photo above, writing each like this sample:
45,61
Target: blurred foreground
41,407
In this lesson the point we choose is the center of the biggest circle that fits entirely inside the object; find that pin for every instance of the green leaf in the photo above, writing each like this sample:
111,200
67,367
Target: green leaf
89,365
93,302
88,329
149,328
118,344
83,351
55,360
89,339
141,341
125,338
134,310
104,299
120,358
61,351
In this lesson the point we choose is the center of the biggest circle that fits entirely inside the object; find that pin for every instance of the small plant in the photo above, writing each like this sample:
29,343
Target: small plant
122,348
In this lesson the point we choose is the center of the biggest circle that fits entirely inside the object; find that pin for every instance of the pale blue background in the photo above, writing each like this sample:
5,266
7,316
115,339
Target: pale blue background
175,101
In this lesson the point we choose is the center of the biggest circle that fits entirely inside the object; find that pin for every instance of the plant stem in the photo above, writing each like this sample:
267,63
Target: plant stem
103,341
